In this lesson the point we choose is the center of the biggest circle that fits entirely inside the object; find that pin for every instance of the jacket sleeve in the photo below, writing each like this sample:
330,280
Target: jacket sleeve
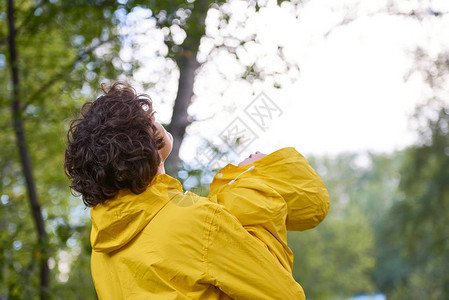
241,266
304,192
253,202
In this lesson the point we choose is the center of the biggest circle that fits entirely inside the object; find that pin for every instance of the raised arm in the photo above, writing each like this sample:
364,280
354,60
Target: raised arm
289,174
303,190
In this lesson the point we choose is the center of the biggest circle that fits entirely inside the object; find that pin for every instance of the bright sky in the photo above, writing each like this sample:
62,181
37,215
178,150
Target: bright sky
349,95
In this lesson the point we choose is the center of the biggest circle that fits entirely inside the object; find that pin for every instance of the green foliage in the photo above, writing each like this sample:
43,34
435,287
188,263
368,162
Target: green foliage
416,228
56,41
335,259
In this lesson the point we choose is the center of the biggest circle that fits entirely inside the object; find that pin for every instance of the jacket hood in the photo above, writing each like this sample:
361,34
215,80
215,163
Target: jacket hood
289,174
117,221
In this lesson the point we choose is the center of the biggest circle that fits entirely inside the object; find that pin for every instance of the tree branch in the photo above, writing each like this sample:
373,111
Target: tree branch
390,11
24,156
29,16
54,79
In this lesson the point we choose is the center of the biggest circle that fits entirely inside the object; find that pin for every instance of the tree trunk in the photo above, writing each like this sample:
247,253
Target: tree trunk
42,255
180,120
187,65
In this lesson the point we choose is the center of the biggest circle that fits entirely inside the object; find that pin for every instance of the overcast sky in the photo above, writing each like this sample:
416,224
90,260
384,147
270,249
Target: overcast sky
349,94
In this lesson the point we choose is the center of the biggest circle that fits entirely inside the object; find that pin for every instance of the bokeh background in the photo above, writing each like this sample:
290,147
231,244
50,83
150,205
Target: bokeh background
360,88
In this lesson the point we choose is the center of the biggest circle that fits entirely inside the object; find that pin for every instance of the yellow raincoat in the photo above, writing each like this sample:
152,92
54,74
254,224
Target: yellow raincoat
164,244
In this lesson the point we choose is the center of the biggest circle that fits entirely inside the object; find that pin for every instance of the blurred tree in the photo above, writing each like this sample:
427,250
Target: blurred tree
396,202
50,56
410,238
415,232
336,260
42,256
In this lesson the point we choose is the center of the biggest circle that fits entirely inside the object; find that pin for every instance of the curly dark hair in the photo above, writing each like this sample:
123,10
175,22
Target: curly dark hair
113,145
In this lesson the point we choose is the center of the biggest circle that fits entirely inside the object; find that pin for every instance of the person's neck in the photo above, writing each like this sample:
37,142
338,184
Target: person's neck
161,168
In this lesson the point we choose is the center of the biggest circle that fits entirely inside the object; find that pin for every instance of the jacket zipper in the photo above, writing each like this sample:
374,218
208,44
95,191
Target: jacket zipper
249,169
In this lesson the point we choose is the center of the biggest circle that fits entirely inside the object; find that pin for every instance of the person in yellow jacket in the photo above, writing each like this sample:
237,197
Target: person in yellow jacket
149,239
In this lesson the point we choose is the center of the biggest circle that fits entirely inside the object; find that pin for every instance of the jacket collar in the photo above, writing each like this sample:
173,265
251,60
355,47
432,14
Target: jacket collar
116,221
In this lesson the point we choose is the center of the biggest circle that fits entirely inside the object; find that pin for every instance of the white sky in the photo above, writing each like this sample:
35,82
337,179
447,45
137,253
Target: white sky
350,93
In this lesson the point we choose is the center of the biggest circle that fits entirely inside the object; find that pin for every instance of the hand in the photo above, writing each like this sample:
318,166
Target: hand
252,158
